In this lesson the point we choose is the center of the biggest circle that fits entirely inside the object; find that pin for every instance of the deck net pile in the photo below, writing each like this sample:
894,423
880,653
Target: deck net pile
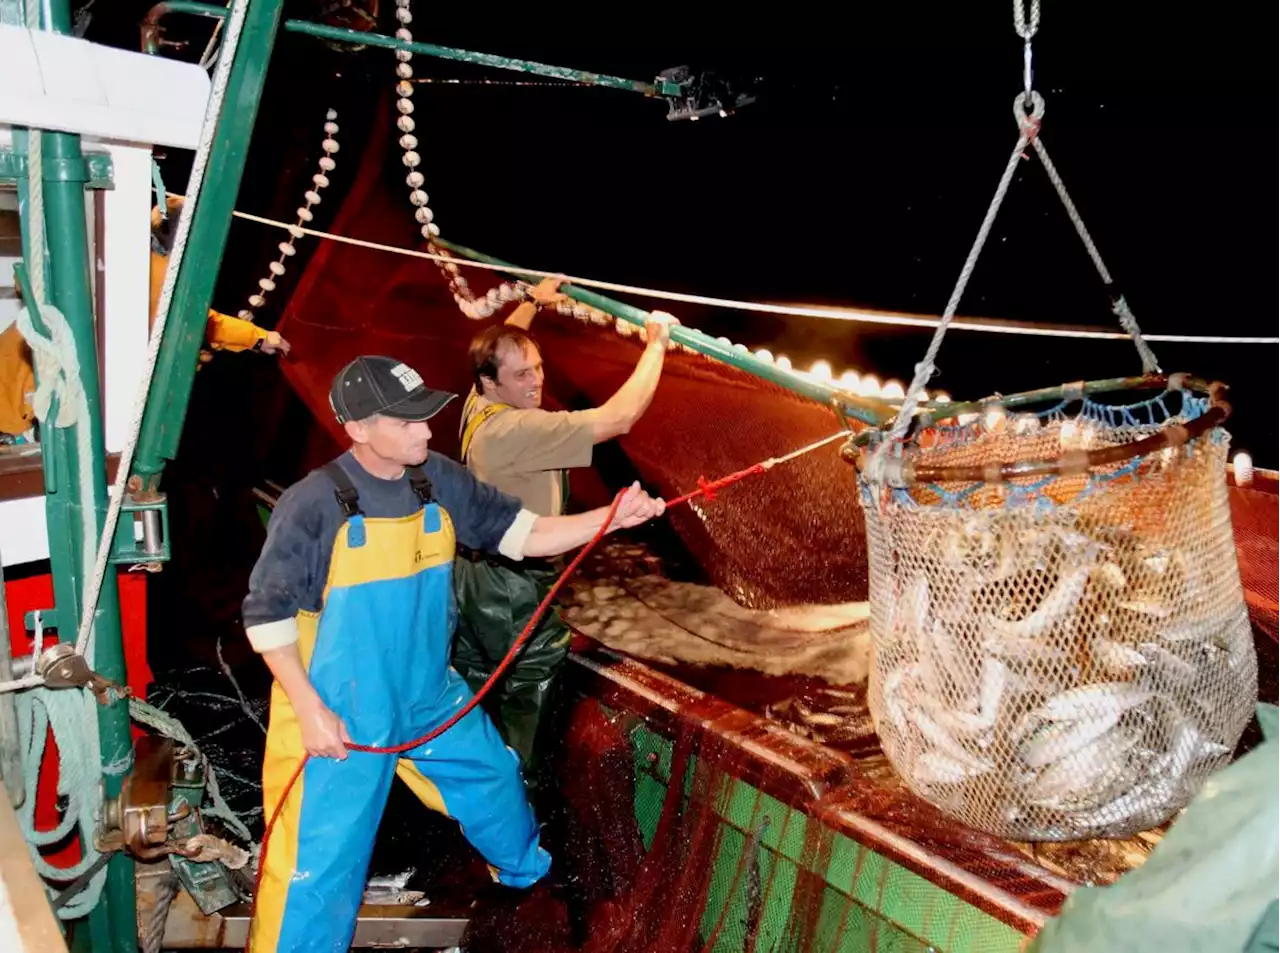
1061,657
661,843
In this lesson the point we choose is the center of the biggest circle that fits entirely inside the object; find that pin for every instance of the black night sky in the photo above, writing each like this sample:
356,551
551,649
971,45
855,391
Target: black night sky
858,178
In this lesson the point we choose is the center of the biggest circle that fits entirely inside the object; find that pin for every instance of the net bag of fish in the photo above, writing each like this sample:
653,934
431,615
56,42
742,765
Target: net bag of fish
1061,645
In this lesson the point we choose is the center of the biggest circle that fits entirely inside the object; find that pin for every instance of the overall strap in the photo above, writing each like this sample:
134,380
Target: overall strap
348,497
474,422
421,485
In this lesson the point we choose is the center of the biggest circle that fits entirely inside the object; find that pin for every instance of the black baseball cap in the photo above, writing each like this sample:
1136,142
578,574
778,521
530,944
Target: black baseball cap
374,384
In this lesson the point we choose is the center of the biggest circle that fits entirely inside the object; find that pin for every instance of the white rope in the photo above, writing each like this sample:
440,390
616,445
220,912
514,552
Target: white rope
860,317
1024,27
1120,306
807,448
925,369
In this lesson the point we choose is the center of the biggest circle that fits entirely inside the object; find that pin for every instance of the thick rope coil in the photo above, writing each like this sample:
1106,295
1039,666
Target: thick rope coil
72,716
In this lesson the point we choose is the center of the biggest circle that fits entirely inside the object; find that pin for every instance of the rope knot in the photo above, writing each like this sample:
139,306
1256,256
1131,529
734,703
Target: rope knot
1028,112
708,490
57,365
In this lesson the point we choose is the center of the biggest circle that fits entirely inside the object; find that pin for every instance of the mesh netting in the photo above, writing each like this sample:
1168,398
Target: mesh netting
1061,657
667,838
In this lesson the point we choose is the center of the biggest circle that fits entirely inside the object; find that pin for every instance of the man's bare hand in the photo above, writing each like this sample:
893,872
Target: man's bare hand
657,329
546,293
324,735
636,507
274,341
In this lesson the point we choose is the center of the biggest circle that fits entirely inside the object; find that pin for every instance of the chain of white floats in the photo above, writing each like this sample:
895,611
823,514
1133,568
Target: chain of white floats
312,197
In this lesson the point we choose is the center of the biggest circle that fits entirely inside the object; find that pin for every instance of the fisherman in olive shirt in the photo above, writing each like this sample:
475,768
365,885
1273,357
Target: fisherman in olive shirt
509,441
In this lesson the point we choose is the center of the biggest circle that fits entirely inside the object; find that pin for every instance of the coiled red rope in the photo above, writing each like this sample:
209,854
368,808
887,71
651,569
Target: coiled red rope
705,488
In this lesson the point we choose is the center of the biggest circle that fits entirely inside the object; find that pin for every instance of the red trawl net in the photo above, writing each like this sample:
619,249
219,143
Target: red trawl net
706,418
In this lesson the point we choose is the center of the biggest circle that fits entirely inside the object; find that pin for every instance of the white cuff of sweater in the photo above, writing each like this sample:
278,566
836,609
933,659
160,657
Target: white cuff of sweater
517,534
272,635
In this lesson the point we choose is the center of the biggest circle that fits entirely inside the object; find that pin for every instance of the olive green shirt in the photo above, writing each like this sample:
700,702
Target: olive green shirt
525,452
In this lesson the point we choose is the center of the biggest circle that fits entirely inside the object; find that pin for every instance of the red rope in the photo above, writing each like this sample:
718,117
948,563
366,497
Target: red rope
707,489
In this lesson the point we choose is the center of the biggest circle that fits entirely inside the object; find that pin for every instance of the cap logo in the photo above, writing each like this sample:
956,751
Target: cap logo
410,379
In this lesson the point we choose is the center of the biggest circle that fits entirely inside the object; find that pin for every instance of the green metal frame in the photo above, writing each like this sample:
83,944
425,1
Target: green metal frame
188,312
358,38
101,173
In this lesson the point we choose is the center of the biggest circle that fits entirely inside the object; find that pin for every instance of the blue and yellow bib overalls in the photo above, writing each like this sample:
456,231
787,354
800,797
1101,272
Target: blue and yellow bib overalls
377,653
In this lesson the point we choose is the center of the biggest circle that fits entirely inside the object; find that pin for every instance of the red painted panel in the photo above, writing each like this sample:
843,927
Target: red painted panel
36,592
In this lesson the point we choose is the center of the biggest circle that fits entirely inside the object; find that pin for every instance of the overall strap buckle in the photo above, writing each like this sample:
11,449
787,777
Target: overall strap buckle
348,496
421,485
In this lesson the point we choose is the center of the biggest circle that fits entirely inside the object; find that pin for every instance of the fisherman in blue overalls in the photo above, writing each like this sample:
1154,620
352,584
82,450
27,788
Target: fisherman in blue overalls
351,606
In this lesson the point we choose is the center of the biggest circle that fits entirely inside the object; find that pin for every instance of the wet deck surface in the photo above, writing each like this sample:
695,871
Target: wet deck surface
804,668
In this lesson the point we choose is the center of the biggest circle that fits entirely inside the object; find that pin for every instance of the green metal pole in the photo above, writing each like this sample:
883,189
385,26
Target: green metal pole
69,291
150,40
358,38
188,311
112,923
867,411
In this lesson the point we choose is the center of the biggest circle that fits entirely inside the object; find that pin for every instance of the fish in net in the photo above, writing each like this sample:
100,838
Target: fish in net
1067,656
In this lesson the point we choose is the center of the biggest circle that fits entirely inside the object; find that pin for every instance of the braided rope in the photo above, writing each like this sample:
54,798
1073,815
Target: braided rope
1119,305
1026,27
1028,126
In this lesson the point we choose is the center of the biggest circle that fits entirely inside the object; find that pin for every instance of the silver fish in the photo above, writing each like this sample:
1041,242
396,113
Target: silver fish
1086,773
1089,700
1116,657
933,767
1190,747
1179,668
1112,575
995,680
947,745
1148,797
1157,563
1018,649
1057,740
1058,603
913,608
1150,607
889,694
